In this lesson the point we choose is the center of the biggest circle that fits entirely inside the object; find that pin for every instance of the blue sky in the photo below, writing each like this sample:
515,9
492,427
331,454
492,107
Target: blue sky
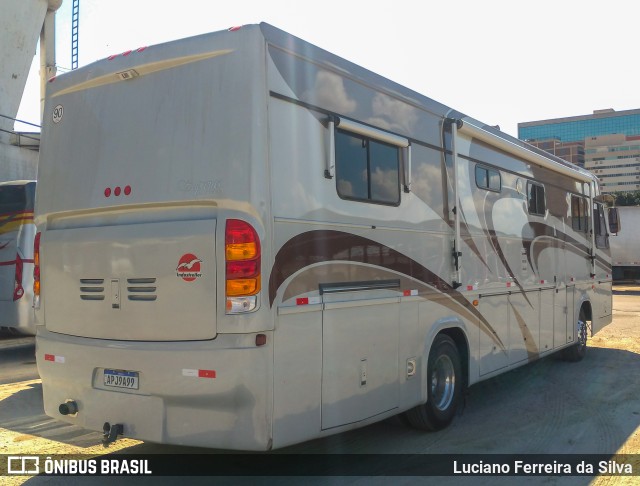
500,61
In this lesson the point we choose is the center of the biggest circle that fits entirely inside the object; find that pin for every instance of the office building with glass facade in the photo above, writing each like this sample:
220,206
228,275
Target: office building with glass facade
578,128
606,143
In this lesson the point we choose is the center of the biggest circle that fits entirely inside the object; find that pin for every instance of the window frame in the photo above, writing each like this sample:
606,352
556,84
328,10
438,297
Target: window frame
600,226
577,222
370,167
368,135
488,171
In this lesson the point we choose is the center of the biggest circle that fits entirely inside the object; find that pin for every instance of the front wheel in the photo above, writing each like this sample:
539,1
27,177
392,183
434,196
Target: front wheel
444,387
579,349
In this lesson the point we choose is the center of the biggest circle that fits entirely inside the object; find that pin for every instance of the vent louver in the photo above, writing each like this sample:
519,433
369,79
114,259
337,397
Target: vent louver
92,288
141,289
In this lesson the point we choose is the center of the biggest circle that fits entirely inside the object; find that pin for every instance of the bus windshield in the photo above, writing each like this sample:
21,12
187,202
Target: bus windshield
12,199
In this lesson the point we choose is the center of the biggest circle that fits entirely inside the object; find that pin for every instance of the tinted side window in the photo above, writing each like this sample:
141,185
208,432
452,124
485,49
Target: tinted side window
579,215
602,237
536,199
366,169
487,178
12,198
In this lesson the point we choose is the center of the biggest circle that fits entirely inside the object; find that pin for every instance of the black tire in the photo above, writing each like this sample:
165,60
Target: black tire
444,387
578,351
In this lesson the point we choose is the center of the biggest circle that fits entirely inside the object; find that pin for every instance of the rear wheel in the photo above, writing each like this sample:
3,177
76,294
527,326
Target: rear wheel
579,349
444,387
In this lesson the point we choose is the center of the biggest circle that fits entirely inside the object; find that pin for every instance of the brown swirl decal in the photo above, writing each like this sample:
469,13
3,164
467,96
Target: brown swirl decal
308,250
530,343
555,239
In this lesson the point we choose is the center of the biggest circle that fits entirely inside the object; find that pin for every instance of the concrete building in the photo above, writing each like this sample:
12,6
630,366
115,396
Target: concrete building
22,24
615,159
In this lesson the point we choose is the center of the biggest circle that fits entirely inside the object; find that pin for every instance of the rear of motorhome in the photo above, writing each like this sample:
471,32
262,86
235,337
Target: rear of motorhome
17,231
246,242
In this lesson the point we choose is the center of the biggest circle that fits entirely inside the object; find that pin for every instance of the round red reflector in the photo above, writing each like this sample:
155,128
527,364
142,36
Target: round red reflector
127,190
140,49
126,53
107,192
117,191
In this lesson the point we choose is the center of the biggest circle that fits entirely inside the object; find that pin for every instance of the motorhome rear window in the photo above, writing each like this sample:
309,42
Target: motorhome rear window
367,169
12,198
536,199
488,179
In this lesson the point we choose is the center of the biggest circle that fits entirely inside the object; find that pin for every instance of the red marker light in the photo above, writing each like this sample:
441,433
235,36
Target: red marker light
127,190
206,373
107,192
117,191
235,28
126,53
140,49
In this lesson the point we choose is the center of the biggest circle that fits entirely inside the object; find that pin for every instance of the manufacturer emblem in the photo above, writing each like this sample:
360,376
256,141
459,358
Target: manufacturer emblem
58,113
188,268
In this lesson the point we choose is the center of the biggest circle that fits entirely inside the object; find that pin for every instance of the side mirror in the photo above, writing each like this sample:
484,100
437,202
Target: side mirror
614,220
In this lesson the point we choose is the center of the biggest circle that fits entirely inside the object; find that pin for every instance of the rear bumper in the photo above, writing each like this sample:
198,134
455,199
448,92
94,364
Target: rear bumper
173,405
18,315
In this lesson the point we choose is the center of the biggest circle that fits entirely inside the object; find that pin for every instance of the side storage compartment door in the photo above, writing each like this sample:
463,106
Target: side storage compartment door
494,342
359,356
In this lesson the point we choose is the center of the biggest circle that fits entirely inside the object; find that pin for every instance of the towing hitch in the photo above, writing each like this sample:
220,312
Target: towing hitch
111,433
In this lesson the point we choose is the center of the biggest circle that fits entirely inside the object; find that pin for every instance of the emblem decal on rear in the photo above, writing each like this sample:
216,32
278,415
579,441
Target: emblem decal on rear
58,113
188,268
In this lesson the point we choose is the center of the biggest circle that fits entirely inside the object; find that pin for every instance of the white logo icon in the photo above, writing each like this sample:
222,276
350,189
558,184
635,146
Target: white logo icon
23,465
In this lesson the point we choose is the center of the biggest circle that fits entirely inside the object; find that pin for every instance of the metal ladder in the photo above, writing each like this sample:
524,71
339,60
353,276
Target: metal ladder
75,25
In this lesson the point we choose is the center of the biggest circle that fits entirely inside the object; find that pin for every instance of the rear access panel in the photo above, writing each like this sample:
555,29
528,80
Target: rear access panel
148,282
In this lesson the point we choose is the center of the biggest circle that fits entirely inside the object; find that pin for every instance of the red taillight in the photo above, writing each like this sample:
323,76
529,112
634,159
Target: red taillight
246,269
18,290
242,260
240,235
36,270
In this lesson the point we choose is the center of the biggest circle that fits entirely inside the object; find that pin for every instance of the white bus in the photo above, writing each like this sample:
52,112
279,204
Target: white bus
17,231
247,242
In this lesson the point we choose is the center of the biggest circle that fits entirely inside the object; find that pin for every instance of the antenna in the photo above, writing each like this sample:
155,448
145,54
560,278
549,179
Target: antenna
75,25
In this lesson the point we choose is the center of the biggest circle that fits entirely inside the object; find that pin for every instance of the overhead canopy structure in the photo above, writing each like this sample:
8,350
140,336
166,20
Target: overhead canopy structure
22,24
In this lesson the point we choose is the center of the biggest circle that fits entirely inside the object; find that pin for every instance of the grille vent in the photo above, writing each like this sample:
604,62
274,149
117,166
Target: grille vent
141,289
92,288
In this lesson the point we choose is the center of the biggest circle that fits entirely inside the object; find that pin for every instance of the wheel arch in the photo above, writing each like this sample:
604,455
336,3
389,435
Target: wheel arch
585,306
588,312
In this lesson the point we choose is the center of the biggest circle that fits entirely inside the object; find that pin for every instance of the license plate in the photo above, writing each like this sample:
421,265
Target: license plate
121,379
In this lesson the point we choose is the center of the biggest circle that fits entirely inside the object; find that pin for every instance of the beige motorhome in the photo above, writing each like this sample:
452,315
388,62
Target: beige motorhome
246,242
